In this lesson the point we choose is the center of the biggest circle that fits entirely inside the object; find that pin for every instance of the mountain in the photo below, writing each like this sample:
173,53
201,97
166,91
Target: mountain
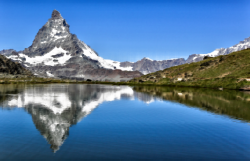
55,52
147,65
6,52
8,67
223,51
228,71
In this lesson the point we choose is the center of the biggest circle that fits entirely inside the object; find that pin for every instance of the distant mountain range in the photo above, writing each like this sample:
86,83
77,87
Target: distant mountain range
229,71
147,65
55,52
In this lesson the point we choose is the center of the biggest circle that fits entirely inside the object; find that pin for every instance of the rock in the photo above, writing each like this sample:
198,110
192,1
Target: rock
207,63
56,15
188,74
207,57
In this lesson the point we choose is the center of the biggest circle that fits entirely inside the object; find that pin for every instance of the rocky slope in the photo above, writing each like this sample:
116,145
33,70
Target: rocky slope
8,67
227,71
55,52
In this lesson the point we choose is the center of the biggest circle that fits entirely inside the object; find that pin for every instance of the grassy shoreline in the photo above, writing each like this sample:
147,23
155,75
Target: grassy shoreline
224,83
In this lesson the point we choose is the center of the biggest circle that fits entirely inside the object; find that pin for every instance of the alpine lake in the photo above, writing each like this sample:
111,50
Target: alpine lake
106,122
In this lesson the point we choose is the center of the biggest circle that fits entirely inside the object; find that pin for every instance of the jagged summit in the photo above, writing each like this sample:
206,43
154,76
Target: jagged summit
145,58
56,15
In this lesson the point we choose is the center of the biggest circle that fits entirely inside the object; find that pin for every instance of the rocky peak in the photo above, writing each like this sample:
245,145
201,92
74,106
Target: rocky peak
145,58
56,15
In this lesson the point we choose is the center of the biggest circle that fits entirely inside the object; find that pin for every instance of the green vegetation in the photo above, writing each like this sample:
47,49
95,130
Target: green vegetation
230,71
39,80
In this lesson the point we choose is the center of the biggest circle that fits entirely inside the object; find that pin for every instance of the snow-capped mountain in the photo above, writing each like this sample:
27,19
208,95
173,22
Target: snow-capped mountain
240,46
54,38
147,65
223,51
57,52
194,58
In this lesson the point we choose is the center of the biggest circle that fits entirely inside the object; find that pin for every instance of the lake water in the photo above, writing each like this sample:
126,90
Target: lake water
103,122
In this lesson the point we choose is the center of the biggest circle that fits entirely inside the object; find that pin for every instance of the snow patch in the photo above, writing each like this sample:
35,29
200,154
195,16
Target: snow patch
47,59
213,53
117,65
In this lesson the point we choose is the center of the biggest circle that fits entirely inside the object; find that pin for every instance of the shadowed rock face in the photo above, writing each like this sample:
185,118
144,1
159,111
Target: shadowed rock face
7,66
55,52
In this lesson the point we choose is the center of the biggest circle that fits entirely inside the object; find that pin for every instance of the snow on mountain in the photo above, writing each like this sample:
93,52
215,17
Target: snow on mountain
47,59
147,65
117,65
223,51
57,32
195,58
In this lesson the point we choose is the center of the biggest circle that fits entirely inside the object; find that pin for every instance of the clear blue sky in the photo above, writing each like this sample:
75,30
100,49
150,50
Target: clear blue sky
130,30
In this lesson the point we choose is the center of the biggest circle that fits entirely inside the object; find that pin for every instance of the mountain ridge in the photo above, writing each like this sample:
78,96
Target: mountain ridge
225,71
179,61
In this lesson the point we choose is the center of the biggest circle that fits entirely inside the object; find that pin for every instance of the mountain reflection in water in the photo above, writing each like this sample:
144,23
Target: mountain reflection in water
54,108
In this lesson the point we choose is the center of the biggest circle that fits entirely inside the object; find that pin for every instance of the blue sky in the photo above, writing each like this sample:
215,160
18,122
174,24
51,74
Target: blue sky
130,30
